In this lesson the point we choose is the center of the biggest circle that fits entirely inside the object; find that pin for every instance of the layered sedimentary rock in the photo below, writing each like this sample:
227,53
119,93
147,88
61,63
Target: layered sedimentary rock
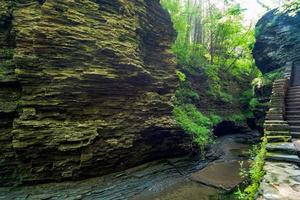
278,40
86,88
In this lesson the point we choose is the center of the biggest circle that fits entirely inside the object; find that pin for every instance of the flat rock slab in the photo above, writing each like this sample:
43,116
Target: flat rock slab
281,182
223,175
287,147
283,158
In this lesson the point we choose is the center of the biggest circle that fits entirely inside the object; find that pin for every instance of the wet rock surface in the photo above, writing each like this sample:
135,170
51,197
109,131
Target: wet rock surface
282,181
214,175
224,173
124,185
164,179
85,88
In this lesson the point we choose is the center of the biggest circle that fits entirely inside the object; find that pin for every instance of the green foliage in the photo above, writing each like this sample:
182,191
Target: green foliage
239,117
185,94
181,76
248,99
249,102
268,78
194,123
215,119
292,7
214,43
255,174
222,44
253,103
6,53
225,97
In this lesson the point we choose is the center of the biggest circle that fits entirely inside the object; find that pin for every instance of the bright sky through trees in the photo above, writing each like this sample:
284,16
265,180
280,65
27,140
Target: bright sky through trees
255,10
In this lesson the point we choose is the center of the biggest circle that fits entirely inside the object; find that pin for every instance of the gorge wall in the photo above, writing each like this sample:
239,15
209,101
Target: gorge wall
85,88
277,40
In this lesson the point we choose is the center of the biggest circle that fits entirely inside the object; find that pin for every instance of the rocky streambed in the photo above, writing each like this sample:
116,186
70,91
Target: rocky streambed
177,178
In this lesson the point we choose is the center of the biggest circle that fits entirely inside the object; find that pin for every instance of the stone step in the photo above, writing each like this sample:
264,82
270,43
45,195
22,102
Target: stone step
275,111
277,97
279,138
270,114
282,147
278,89
277,133
293,112
290,104
295,134
277,103
279,83
276,122
274,115
293,108
281,80
295,128
293,95
292,101
283,158
293,92
293,117
278,117
294,88
277,106
294,122
276,127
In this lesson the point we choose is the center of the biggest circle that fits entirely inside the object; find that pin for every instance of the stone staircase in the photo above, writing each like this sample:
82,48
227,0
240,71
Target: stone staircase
293,110
282,124
282,131
293,114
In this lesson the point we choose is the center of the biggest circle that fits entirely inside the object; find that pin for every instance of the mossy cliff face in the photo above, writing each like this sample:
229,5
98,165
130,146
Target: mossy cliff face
85,88
278,40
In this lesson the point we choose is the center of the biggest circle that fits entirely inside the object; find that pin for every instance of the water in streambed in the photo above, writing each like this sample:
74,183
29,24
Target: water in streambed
214,182
176,179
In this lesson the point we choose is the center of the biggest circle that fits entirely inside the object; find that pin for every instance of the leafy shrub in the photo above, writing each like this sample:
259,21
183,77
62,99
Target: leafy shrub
194,123
237,117
268,78
253,103
215,119
185,94
255,174
225,97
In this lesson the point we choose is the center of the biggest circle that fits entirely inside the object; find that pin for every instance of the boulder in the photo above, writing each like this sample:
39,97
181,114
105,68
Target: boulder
277,40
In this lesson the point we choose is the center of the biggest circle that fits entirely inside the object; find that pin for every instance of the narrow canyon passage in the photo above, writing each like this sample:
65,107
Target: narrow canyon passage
148,99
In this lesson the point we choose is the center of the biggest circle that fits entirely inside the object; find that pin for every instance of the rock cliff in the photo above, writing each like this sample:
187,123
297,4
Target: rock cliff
86,88
278,40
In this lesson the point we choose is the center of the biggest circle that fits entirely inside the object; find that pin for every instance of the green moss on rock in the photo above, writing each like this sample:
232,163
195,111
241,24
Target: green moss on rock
91,86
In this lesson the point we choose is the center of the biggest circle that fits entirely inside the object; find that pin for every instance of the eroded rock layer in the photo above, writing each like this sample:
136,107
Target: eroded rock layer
277,40
85,88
